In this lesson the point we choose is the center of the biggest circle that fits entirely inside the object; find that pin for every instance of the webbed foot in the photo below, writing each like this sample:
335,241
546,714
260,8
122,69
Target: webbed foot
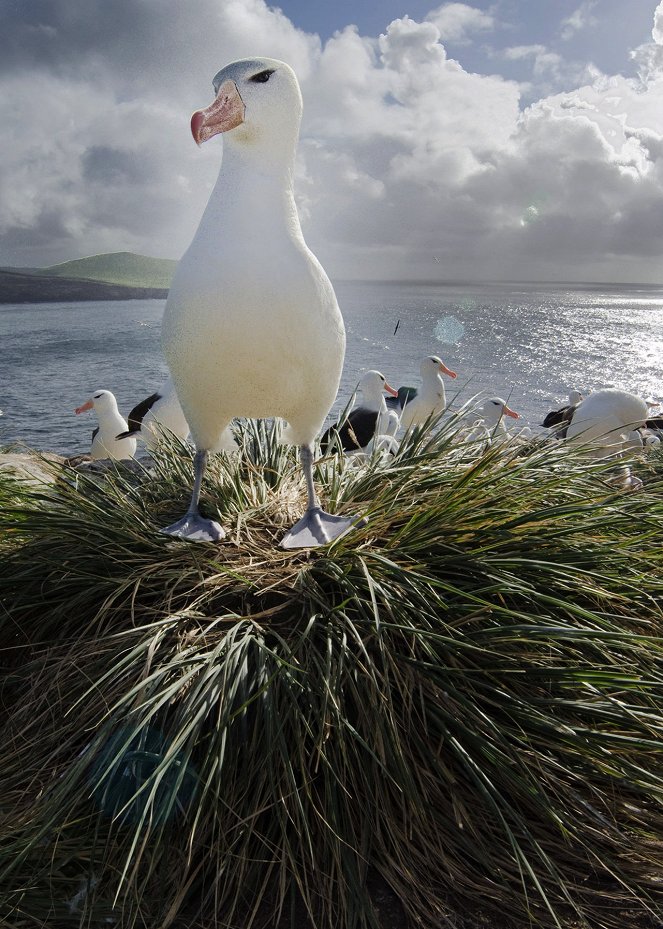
195,528
318,528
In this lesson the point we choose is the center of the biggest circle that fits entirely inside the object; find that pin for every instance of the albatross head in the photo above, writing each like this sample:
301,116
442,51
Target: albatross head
495,408
101,401
371,385
432,366
257,101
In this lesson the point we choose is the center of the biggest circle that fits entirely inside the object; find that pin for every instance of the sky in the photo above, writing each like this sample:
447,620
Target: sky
506,140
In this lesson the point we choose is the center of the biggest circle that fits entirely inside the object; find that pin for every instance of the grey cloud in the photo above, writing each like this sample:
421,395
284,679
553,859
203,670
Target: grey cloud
43,243
105,165
56,33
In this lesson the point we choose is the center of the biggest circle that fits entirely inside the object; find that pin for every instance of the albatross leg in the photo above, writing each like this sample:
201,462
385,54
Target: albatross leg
316,527
193,526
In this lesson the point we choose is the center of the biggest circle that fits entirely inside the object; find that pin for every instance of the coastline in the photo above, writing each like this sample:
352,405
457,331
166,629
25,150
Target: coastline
16,287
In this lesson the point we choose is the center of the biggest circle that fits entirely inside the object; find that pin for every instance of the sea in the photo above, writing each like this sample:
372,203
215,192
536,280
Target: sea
527,343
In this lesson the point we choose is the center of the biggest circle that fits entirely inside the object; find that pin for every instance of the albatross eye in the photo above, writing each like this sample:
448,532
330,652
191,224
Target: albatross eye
262,76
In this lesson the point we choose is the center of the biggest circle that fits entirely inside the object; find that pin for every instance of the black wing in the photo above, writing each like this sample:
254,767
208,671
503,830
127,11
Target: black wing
560,418
405,394
135,418
355,433
554,418
94,432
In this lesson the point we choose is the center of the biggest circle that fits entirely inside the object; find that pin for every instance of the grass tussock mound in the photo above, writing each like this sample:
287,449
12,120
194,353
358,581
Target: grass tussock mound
461,701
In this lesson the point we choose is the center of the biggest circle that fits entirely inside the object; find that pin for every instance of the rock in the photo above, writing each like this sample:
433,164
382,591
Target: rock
30,466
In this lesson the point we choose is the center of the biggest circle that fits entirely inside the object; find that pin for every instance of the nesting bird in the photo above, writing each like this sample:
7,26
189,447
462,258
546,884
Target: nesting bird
251,326
105,441
161,410
558,420
368,420
491,428
431,398
604,420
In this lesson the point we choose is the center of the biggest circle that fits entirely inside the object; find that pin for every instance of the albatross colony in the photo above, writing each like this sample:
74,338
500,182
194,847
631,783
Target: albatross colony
251,326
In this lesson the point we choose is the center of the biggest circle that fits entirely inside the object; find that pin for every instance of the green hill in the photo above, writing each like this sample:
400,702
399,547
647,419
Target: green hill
123,268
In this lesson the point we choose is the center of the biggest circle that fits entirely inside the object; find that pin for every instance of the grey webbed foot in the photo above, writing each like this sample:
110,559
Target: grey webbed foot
318,528
195,528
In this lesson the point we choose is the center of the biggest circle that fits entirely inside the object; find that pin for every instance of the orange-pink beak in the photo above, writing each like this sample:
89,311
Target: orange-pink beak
224,114
88,405
511,413
447,371
390,390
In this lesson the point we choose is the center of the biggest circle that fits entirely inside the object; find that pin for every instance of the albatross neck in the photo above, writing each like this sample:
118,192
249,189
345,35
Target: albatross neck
256,185
262,158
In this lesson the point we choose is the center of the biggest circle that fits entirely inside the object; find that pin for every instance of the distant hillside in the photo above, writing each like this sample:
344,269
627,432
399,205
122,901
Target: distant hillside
123,268
17,286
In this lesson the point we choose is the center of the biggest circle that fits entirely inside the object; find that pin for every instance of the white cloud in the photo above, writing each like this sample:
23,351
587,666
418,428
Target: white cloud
457,21
657,30
649,57
405,155
581,18
543,60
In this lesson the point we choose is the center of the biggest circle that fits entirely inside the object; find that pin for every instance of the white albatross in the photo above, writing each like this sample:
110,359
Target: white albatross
604,420
368,421
490,429
105,443
251,326
431,398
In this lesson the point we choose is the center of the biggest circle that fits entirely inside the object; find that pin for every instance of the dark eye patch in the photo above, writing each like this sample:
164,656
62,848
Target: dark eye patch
262,76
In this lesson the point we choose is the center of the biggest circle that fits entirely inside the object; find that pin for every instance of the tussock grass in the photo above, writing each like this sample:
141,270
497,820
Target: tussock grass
462,700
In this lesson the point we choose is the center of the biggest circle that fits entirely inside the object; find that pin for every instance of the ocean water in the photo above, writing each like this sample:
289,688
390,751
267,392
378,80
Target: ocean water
529,344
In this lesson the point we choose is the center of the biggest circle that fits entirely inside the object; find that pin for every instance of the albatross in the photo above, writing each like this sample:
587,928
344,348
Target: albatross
490,429
251,326
369,419
431,398
604,420
105,441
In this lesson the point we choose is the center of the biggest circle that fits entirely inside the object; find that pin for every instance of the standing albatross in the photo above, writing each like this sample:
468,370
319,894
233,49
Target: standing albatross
251,326
431,399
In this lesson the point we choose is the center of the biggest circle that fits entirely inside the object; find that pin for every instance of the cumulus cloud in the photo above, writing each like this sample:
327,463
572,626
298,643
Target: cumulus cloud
543,60
582,18
405,157
649,57
456,22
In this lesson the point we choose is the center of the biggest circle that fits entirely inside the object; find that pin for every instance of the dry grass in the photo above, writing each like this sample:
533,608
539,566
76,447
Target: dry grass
462,701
